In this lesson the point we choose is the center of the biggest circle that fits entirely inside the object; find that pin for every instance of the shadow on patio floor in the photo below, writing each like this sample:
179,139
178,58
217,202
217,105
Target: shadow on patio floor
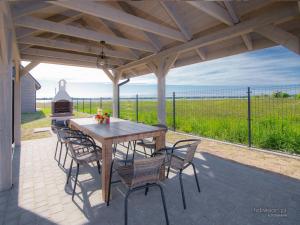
231,193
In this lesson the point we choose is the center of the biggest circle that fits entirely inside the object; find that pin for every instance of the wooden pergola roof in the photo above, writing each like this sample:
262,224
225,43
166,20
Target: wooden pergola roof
138,32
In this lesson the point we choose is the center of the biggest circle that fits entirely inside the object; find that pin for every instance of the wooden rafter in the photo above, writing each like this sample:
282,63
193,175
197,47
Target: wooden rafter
96,23
106,12
280,36
171,10
29,8
150,36
243,27
213,9
65,55
83,48
24,32
45,25
246,37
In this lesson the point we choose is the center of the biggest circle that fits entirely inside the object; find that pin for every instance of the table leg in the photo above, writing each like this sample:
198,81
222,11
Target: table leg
106,162
160,142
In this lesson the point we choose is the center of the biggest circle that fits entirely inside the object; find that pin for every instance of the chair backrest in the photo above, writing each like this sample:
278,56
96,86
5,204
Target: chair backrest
146,171
190,152
191,147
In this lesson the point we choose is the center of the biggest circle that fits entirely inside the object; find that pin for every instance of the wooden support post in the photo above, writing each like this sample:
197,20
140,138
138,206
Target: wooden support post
17,106
115,95
161,68
6,43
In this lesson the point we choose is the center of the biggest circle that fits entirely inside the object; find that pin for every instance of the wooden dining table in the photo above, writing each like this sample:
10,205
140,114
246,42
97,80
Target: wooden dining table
116,131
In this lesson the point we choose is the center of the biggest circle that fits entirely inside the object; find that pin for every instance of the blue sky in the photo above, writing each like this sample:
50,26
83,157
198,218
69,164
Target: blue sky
272,66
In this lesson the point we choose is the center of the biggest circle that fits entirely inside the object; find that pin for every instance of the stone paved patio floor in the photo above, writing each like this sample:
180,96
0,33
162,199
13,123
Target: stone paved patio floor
231,194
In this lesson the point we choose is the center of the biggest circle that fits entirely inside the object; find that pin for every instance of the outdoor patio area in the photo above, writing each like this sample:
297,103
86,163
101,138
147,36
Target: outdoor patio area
231,193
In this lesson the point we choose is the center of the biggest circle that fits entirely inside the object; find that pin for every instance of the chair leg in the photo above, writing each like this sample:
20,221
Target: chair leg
58,163
134,148
146,190
56,149
145,152
164,203
109,184
127,152
99,167
126,207
67,149
75,181
70,171
196,178
182,190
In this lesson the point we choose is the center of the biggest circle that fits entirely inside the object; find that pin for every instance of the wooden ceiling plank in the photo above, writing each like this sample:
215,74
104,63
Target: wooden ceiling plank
213,9
171,10
68,62
244,27
24,32
102,10
29,8
64,55
280,36
150,36
45,25
64,45
246,37
94,22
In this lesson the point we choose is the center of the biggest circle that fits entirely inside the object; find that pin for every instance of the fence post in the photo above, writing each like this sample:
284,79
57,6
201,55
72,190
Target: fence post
100,102
77,104
83,105
249,118
137,107
174,111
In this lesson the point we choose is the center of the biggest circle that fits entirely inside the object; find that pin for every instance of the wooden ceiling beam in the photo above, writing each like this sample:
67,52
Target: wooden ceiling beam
29,9
171,10
104,11
150,36
65,55
24,32
67,62
244,27
280,36
246,37
83,48
213,9
45,25
97,23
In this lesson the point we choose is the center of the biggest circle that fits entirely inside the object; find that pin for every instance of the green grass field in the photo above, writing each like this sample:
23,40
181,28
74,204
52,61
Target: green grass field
275,121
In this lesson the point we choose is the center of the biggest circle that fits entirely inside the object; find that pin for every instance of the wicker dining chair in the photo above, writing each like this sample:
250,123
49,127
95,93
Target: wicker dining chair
142,174
180,162
148,143
62,136
83,151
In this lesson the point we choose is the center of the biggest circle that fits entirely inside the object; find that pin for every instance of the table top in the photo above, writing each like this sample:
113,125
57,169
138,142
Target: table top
117,128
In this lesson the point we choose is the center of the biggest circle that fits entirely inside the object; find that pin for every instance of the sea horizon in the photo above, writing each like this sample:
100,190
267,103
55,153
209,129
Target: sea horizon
97,90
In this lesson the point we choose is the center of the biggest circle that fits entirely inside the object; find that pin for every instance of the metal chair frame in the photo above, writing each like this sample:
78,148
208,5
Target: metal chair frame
84,146
186,165
131,190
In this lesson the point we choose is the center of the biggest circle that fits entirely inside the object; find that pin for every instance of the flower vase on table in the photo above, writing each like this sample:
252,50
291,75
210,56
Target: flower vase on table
102,118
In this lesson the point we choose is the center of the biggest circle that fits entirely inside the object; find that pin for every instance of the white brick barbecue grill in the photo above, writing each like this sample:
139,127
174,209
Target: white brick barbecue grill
62,104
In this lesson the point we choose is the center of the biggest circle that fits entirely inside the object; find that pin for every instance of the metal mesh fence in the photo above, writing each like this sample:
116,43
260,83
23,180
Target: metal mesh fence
263,117
275,117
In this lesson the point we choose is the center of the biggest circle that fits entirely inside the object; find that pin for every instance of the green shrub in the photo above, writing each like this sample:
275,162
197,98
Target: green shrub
280,94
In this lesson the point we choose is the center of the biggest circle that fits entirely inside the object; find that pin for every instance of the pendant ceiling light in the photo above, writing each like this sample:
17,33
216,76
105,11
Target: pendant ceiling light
101,58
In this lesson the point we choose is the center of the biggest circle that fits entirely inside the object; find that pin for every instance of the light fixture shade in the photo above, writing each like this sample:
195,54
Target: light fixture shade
101,58
101,61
